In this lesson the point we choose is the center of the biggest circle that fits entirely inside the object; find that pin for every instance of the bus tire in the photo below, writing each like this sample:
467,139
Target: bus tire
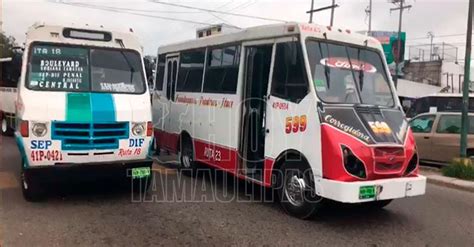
142,185
156,148
295,188
186,156
32,191
5,129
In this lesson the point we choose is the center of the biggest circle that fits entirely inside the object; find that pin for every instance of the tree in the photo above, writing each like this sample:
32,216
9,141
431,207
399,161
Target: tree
10,71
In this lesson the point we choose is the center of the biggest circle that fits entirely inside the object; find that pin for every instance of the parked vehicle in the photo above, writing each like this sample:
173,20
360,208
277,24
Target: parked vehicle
9,76
306,109
83,108
440,102
438,136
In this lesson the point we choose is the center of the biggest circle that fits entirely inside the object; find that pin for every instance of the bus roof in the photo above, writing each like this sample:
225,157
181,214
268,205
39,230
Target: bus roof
447,95
55,34
273,31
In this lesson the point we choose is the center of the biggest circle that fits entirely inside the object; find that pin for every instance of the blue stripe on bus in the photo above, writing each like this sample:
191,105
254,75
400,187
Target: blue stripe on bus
103,108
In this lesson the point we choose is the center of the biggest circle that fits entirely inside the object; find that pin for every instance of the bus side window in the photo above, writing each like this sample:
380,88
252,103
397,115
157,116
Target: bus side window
191,70
222,70
160,72
289,75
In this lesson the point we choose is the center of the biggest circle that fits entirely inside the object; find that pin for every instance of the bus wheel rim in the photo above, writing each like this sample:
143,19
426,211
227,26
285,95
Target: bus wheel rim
4,125
186,160
294,190
23,181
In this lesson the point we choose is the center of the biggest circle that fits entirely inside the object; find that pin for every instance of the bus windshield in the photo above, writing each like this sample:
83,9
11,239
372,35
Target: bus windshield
348,74
84,69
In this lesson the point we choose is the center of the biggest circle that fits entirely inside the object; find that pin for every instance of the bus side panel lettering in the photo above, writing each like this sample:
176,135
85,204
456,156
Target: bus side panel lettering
222,157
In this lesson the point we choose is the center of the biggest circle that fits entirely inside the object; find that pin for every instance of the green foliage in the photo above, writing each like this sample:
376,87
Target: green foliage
7,43
459,170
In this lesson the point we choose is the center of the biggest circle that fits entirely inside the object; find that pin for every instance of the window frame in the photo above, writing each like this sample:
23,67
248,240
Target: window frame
180,60
351,45
441,116
296,40
209,49
422,116
155,84
88,47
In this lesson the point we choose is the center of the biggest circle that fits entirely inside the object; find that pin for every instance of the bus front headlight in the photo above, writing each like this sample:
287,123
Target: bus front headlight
39,129
138,129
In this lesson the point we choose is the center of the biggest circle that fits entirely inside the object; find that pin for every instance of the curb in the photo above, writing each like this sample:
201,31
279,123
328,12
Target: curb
434,176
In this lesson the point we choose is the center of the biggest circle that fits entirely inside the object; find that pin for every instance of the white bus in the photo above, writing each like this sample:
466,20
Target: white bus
306,109
9,76
83,108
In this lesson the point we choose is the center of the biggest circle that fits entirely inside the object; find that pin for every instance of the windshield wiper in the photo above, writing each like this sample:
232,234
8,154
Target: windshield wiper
361,72
353,74
327,71
132,70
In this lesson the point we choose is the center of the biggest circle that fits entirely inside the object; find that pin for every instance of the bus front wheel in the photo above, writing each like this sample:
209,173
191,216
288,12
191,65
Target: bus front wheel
5,128
32,191
296,191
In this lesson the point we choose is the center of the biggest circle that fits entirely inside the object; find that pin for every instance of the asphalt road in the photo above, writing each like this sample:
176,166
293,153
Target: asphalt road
106,213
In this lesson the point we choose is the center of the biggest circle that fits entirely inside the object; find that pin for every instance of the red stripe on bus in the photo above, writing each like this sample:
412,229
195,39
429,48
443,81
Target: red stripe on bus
215,155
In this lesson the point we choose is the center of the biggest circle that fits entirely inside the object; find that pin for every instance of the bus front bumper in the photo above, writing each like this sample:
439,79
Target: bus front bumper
366,191
86,171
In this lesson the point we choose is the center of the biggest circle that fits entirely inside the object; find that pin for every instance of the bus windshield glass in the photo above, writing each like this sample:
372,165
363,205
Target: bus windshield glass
348,74
84,69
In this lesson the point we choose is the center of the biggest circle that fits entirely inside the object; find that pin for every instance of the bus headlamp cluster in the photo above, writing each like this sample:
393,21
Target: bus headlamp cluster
352,164
39,129
139,129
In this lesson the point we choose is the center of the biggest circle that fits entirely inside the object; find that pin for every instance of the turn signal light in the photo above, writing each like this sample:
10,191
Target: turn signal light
149,128
24,128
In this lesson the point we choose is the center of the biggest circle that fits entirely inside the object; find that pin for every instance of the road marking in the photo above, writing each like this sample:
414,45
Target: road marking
162,169
8,181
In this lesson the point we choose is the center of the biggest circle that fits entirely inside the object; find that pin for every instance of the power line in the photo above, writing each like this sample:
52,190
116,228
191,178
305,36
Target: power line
112,9
441,36
217,11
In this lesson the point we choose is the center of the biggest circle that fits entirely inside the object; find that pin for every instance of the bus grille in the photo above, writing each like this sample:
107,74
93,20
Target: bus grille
389,160
89,136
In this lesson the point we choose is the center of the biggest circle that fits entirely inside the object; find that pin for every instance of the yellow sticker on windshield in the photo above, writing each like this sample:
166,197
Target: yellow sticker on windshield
380,127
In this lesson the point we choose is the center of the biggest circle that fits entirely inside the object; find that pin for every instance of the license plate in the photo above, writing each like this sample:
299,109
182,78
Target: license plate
367,192
141,172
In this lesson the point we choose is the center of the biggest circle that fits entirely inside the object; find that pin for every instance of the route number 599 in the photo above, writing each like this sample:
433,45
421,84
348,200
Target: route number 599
295,124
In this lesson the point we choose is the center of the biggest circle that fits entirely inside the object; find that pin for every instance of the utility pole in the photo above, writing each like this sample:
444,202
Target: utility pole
368,11
332,12
312,10
401,7
465,89
431,36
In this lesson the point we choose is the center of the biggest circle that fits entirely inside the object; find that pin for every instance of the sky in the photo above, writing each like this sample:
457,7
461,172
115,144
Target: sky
442,17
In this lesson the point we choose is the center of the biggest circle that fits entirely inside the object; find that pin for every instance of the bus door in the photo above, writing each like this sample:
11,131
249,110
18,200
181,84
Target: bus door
171,75
252,138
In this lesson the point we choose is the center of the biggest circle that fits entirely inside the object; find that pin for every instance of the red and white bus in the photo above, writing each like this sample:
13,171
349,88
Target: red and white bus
309,110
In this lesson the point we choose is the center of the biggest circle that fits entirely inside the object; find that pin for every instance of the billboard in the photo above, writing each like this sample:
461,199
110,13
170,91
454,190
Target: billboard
390,48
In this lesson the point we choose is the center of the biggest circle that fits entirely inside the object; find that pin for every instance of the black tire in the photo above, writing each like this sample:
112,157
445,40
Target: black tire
142,185
186,156
376,205
295,188
156,148
32,191
5,129
470,154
